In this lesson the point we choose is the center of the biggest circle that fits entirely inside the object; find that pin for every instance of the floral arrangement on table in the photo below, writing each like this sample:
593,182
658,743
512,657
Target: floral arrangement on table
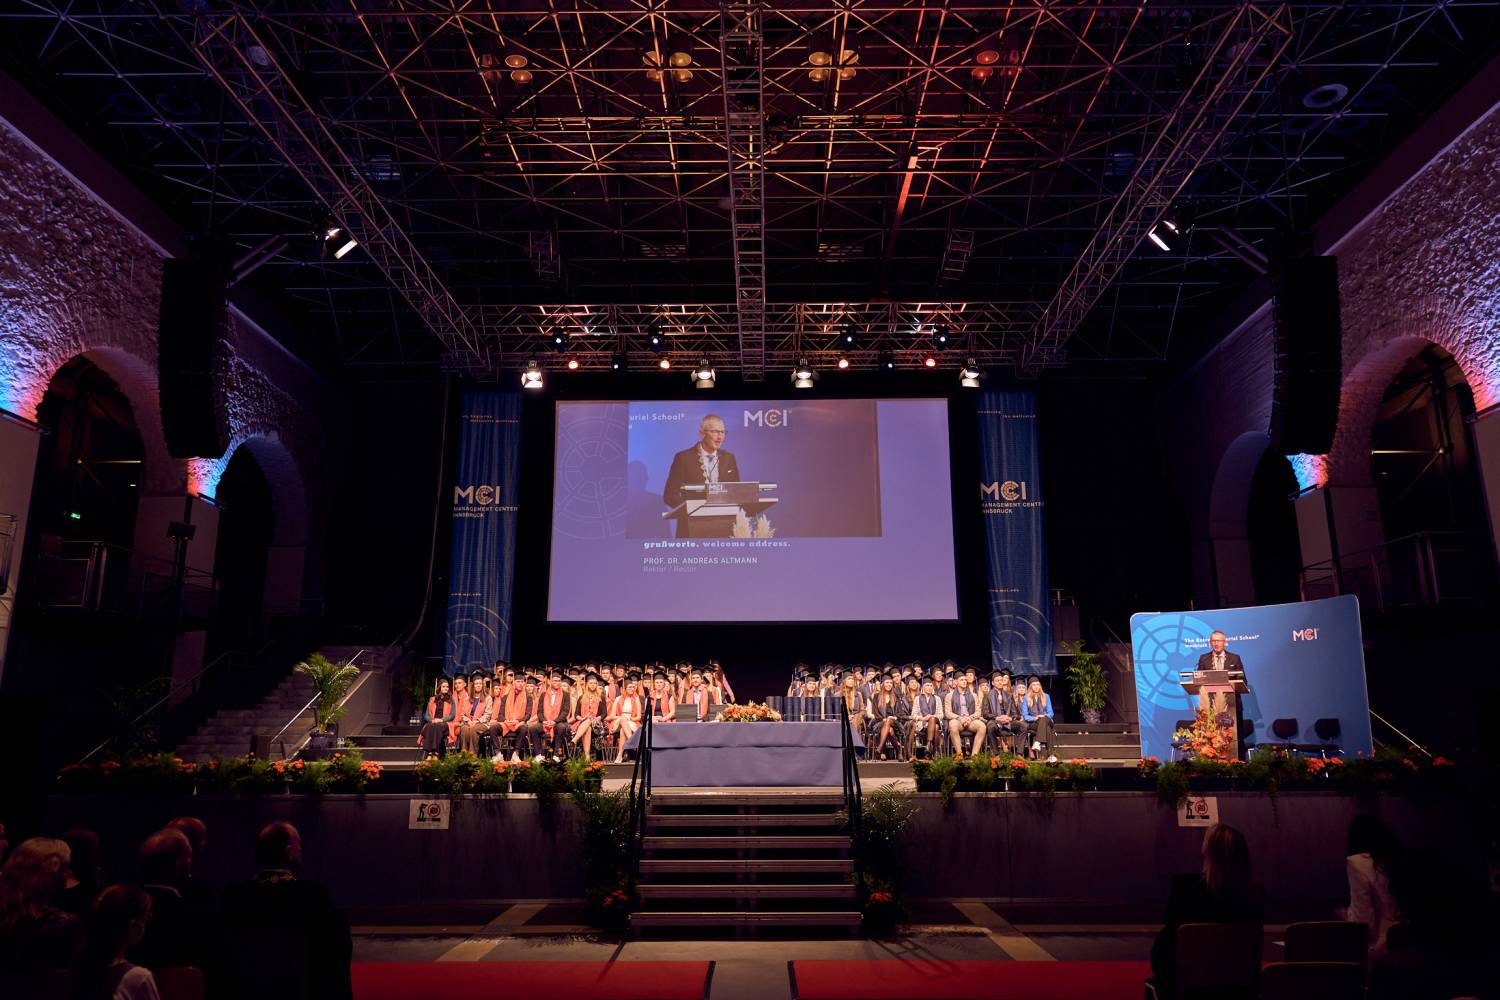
1209,737
749,712
168,774
459,774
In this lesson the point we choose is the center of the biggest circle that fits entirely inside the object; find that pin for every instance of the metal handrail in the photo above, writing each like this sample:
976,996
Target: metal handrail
853,791
304,708
1392,727
172,689
640,793
1415,535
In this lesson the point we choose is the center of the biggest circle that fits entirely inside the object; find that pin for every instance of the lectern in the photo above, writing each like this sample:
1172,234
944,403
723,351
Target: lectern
1218,691
711,510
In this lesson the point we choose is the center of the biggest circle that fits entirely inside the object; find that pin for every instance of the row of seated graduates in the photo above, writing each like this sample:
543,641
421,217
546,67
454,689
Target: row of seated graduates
912,711
558,712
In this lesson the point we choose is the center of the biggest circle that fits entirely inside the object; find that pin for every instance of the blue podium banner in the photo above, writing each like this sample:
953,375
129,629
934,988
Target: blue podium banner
1302,661
482,566
1015,531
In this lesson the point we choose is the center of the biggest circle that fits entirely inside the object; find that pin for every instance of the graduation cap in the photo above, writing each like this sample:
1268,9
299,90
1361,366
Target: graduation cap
592,677
532,679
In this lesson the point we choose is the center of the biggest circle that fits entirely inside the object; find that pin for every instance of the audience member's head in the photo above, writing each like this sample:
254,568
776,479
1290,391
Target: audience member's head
195,830
34,877
278,845
1368,835
166,858
84,845
115,922
1226,865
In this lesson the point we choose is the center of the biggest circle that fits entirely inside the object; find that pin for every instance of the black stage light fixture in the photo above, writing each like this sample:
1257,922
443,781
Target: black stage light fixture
704,375
617,362
970,375
887,361
531,378
559,341
803,375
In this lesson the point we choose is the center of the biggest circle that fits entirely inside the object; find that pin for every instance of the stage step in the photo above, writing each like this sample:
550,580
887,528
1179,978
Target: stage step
741,890
781,843
713,797
744,918
745,865
746,820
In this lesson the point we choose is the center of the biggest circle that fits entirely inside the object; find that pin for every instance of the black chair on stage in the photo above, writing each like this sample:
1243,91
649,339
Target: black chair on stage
1329,731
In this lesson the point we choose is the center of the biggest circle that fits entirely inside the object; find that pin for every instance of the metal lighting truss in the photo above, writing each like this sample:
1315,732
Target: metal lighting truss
240,61
1251,44
747,177
741,76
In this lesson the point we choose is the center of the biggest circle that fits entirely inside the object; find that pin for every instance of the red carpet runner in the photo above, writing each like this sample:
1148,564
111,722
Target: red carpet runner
934,980
552,980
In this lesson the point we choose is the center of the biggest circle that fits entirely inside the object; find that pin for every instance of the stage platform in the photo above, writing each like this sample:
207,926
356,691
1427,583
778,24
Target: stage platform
1103,745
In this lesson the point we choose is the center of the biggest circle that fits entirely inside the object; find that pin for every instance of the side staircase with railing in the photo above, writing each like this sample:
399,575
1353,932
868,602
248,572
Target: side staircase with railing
277,726
745,858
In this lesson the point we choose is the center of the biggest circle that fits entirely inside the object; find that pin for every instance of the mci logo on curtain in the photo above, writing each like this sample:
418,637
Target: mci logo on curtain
1016,543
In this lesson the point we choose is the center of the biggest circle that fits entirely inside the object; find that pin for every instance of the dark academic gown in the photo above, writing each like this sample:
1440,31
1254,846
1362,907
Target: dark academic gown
686,471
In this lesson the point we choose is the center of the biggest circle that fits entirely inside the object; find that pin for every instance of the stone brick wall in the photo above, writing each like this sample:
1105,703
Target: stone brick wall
76,279
1424,267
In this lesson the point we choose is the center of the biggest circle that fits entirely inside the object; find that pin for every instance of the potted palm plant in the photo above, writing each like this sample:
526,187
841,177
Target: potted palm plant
330,682
1088,688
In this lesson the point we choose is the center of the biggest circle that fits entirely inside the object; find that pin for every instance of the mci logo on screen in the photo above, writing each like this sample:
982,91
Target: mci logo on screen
767,418
1008,490
1304,634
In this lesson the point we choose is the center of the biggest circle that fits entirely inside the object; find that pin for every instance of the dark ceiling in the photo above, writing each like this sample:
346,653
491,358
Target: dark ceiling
886,168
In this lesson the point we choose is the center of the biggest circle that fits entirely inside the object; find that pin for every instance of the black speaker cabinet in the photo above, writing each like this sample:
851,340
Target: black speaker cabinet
192,358
1308,345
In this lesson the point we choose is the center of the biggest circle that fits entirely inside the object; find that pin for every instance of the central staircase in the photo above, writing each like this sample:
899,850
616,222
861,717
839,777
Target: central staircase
746,859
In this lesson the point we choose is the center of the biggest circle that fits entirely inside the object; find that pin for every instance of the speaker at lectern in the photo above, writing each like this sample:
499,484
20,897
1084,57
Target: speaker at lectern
711,510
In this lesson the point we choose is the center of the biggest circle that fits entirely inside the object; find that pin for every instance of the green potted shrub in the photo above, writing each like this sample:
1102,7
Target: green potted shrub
1088,688
330,681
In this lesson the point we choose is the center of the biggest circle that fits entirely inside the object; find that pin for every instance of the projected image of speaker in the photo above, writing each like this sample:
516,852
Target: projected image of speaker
192,356
1308,347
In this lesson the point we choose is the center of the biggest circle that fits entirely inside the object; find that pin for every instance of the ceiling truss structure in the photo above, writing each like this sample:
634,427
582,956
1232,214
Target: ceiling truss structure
983,167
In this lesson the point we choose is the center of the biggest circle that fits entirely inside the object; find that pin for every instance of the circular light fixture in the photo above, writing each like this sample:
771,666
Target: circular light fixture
516,61
572,364
969,376
847,73
680,59
843,363
521,76
819,59
616,362
682,75
987,57
664,364
703,375
818,74
929,361
982,73
531,378
803,375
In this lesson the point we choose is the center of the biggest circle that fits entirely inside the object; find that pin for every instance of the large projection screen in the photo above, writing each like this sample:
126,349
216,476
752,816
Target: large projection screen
861,528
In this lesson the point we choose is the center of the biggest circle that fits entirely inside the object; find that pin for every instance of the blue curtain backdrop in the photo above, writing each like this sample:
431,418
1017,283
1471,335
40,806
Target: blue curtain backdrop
482,567
1015,533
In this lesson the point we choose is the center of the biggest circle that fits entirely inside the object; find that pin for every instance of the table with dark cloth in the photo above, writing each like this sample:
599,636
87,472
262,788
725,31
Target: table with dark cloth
735,754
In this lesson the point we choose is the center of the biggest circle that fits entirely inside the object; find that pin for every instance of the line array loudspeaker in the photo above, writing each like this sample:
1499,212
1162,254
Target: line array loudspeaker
192,357
1308,354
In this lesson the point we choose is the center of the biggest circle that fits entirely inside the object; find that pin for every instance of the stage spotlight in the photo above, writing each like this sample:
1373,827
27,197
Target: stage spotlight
1165,234
349,244
843,363
559,341
939,337
803,375
617,362
929,361
664,364
655,341
703,375
849,338
572,364
969,376
336,236
531,378
887,361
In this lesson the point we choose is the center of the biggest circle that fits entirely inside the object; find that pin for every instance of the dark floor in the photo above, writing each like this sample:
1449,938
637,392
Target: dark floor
751,967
